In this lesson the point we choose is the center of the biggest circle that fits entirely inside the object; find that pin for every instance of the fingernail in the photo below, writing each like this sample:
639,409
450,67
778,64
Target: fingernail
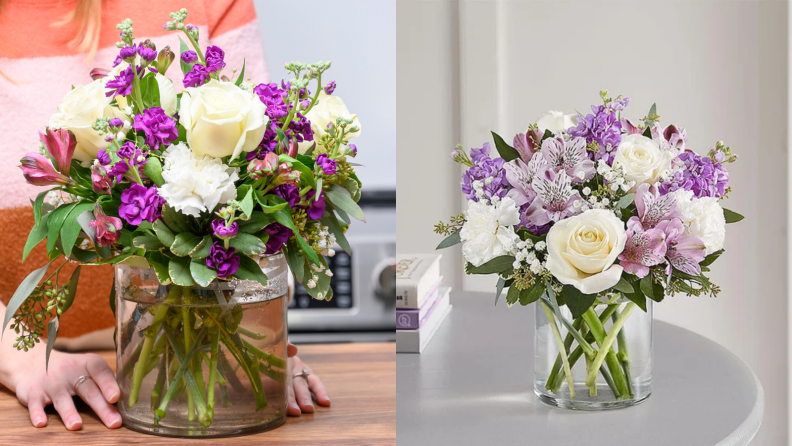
71,424
114,421
111,394
39,422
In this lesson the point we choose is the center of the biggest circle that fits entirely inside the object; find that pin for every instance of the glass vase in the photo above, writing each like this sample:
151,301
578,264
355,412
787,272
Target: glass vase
600,360
202,361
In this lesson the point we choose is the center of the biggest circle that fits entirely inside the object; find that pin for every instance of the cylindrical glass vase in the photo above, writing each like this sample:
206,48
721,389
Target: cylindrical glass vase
600,360
202,361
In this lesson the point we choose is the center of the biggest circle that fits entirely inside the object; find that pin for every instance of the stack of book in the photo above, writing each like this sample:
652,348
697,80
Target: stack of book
421,302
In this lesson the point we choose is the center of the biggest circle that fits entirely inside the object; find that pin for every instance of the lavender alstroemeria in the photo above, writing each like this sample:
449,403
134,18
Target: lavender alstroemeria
521,175
569,156
653,207
706,178
527,143
489,172
671,138
554,200
39,171
684,252
644,248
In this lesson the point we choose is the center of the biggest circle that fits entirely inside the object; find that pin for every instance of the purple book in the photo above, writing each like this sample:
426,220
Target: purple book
413,319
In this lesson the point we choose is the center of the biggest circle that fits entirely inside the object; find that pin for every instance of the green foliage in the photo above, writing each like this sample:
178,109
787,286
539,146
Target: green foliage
150,90
342,199
284,217
497,265
731,216
247,244
36,236
148,242
184,243
179,271
71,291
250,270
153,170
532,294
52,333
241,76
499,289
202,274
183,48
506,151
22,293
174,219
255,223
451,240
202,249
576,301
163,232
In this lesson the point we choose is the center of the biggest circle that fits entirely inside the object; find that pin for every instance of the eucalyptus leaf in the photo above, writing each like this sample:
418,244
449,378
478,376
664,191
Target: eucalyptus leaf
84,220
494,266
625,201
341,198
22,293
52,332
71,290
499,289
36,236
532,294
731,216
451,240
512,296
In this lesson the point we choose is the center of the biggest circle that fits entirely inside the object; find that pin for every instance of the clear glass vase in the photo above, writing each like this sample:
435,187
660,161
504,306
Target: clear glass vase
606,359
202,361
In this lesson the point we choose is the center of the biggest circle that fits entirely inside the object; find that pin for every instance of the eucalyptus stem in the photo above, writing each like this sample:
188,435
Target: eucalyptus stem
605,346
562,351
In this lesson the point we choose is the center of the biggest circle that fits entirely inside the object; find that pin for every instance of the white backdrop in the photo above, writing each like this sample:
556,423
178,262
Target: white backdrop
716,68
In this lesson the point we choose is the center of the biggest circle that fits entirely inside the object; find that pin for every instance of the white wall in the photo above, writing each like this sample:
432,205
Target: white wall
717,68
359,37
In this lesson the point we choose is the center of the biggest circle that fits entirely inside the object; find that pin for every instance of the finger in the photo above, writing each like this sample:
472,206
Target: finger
36,407
317,387
292,409
291,350
90,393
301,392
103,377
63,403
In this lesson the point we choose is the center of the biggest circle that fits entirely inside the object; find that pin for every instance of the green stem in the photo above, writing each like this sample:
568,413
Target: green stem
587,348
162,372
596,325
605,346
562,351
557,364
188,346
210,393
316,94
277,375
136,89
270,359
624,357
196,46
228,372
250,333
204,417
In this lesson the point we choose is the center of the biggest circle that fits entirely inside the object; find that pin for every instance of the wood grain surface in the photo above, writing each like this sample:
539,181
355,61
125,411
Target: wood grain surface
360,379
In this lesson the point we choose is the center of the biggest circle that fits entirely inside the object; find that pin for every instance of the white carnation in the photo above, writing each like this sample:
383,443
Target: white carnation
488,231
195,184
703,218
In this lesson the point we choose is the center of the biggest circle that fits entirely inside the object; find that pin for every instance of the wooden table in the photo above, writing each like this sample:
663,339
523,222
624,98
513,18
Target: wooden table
360,378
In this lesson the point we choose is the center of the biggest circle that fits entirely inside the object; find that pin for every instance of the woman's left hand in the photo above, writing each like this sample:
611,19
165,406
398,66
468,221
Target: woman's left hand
300,388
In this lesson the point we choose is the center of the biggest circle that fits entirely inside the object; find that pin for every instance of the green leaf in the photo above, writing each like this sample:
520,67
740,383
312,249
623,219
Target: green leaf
265,202
638,298
184,243
179,271
505,151
341,198
343,216
134,260
163,232
731,216
37,234
37,205
451,240
512,296
652,110
54,224
576,301
711,258
295,260
174,219
499,289
625,201
202,250
305,173
247,244
71,290
82,255
153,170
247,203
148,242
648,132
183,48
84,220
241,77
52,332
250,270
284,217
202,274
496,265
335,228
256,223
151,94
646,287
532,294
624,286
159,262
22,293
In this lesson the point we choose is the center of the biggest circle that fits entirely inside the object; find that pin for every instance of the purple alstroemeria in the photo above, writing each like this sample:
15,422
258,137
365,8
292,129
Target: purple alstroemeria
527,143
106,227
700,174
653,207
671,138
278,236
221,230
288,192
684,252
60,144
554,200
160,129
214,59
101,181
315,208
488,171
328,165
602,127
122,84
39,171
520,176
140,203
197,77
569,156
644,248
224,261
103,157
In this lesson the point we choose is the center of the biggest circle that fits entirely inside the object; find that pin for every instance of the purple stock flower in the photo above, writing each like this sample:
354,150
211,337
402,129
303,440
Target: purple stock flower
288,192
221,230
278,236
128,151
601,127
225,262
117,61
684,252
317,207
128,52
122,84
643,249
189,57
160,129
486,170
119,169
116,122
700,175
140,204
554,200
197,77
214,59
328,165
103,157
353,150
147,53
330,87
569,156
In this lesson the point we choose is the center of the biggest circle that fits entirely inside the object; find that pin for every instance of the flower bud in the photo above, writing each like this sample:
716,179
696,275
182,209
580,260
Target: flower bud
189,57
148,44
100,180
164,59
106,227
266,167
287,176
128,52
147,54
60,144
330,87
99,73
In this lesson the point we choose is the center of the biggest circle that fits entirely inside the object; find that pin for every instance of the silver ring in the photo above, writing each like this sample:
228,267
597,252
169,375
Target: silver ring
304,374
79,381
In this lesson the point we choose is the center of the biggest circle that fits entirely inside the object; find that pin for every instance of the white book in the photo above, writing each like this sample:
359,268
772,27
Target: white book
416,277
415,341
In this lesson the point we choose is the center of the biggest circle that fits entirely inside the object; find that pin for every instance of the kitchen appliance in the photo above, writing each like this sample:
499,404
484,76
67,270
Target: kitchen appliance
363,306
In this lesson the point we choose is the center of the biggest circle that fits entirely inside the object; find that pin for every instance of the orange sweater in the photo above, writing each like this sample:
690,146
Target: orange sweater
36,57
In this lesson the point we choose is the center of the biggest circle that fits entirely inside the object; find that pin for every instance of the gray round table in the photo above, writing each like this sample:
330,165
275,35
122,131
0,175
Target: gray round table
473,385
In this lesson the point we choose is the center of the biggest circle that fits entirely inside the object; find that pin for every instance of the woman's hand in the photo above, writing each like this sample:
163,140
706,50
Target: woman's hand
300,388
37,388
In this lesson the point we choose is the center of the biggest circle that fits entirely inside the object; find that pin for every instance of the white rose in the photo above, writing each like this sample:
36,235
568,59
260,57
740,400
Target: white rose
641,159
703,218
221,119
77,112
328,109
488,231
581,250
556,121
166,91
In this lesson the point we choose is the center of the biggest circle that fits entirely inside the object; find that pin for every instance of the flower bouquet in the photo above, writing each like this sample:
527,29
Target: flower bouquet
593,216
200,199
